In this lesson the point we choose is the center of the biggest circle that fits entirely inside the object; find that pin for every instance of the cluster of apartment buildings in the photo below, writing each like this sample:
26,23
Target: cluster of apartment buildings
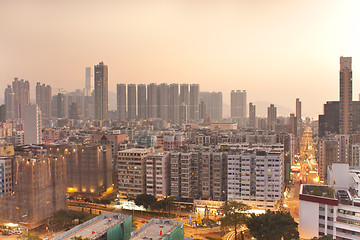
252,174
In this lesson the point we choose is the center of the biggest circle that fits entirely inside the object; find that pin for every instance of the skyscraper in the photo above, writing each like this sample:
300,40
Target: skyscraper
152,100
101,91
141,101
345,107
43,99
9,102
271,118
131,101
293,124
32,124
174,104
60,103
194,101
252,115
238,106
21,96
88,81
184,103
298,110
163,101
121,101
213,102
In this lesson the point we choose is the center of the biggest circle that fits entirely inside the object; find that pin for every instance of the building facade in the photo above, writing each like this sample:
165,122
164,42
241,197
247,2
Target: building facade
101,91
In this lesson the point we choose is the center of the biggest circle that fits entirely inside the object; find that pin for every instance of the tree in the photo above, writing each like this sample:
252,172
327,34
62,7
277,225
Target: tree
80,238
273,226
235,214
29,237
145,199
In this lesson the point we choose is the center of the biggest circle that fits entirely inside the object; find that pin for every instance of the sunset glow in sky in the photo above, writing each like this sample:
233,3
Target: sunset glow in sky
276,50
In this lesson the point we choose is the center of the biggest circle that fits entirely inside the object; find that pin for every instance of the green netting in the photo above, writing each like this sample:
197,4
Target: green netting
120,231
176,234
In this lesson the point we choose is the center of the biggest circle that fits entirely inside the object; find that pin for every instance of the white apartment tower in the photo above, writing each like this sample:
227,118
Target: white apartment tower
131,169
256,178
32,124
158,174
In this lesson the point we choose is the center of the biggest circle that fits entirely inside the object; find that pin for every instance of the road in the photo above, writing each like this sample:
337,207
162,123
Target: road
308,172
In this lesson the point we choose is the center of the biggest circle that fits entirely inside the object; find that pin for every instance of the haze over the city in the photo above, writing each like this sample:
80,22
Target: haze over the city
276,50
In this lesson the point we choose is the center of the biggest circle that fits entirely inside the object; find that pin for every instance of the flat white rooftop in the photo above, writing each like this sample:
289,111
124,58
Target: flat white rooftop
153,228
93,228
135,150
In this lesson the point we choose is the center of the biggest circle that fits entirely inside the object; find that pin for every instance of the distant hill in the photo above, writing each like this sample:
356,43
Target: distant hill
261,109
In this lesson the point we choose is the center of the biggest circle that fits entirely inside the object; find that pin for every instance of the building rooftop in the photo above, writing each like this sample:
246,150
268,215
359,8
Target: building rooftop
156,229
135,150
318,191
93,228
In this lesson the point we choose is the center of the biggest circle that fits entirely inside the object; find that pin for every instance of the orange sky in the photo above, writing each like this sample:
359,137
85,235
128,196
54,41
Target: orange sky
276,50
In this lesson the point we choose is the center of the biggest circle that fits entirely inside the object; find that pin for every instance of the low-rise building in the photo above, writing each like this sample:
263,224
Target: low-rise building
332,209
103,227
165,229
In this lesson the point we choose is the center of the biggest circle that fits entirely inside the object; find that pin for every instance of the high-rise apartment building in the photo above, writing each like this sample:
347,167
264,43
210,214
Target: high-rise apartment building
293,124
184,99
141,91
21,91
298,110
121,101
184,94
163,101
174,107
199,175
152,104
238,106
60,103
158,174
76,98
271,117
39,188
345,107
43,99
252,115
6,168
32,124
88,88
2,113
131,94
257,179
88,168
9,102
213,102
194,101
131,169
101,91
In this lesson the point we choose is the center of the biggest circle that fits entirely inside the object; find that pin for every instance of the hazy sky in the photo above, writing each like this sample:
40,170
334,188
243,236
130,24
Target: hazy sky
276,50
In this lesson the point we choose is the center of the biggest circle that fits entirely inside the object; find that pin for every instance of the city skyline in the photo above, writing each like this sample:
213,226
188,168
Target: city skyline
189,43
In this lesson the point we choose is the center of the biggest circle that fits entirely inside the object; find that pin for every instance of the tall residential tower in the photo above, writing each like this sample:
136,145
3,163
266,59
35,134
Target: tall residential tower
345,107
101,91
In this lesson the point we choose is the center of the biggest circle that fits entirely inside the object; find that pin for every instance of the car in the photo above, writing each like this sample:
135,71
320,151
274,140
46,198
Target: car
18,232
6,233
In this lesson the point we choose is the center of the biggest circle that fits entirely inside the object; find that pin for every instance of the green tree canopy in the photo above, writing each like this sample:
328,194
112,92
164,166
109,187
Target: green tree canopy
145,199
29,237
235,214
273,226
